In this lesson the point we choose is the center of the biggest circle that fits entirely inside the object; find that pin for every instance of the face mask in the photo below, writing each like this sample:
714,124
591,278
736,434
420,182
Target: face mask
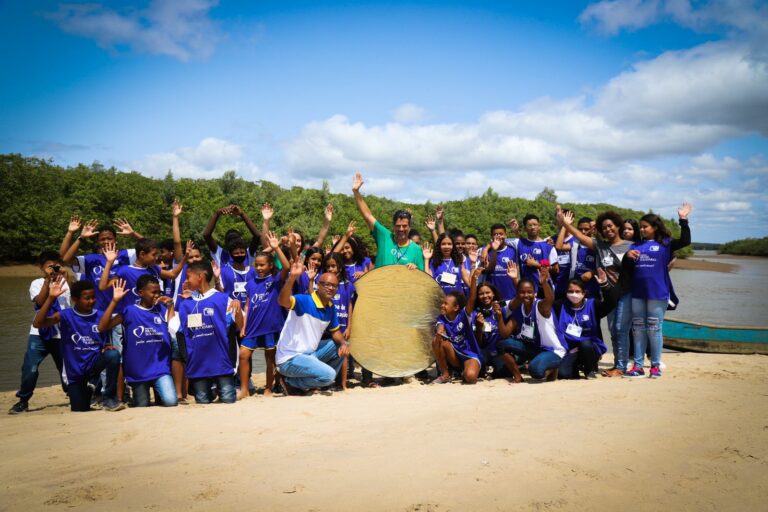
238,259
575,297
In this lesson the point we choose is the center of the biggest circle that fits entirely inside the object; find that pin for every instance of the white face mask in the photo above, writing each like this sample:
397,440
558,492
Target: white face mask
575,297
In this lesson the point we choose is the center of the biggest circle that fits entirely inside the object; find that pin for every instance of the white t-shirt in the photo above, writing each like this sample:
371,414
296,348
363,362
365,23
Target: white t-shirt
64,300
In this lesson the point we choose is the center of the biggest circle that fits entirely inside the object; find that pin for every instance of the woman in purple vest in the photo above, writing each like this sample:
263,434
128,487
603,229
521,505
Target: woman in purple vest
648,261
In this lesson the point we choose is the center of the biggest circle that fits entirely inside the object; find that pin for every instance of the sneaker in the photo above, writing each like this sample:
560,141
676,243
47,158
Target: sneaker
114,405
635,373
655,372
19,407
592,375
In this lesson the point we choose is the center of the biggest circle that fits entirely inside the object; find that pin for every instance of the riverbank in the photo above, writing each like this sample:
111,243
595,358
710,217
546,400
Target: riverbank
694,440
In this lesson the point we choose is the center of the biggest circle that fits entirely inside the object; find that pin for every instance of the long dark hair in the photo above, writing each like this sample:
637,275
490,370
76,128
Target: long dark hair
662,233
339,264
437,255
635,230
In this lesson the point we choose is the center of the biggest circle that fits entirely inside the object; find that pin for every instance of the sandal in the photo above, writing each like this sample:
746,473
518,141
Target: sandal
612,372
442,380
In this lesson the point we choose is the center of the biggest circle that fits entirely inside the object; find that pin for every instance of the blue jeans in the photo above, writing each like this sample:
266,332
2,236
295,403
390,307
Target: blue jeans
619,323
165,391
204,394
37,349
80,393
317,370
539,360
647,320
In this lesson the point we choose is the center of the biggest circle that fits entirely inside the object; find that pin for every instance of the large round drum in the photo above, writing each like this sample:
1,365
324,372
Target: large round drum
393,320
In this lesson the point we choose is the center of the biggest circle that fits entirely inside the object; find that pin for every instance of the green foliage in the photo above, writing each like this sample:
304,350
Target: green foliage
38,198
747,247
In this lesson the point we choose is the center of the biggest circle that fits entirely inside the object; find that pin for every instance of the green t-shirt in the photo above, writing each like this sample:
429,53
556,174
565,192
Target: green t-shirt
389,253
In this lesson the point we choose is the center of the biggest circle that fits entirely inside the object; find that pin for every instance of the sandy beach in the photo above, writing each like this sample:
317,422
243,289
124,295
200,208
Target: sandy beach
695,440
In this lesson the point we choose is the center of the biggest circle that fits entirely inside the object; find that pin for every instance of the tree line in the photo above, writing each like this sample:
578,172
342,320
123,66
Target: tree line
746,247
38,198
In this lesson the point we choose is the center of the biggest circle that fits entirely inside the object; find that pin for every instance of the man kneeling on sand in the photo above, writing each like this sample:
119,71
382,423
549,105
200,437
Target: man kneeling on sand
304,361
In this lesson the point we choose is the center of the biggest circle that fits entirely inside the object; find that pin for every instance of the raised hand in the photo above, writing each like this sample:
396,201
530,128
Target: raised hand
472,257
110,251
351,229
602,277
357,182
496,243
476,273
123,227
565,219
430,223
216,269
272,240
335,240
684,210
328,213
89,229
297,268
118,290
56,287
190,247
512,270
312,270
513,225
440,212
543,274
74,223
426,250
267,211
176,208
235,210
225,211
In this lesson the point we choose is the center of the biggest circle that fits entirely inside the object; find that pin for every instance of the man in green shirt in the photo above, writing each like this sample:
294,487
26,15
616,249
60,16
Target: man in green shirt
392,249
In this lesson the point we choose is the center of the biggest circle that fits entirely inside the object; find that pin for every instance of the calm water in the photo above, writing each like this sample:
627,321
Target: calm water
722,298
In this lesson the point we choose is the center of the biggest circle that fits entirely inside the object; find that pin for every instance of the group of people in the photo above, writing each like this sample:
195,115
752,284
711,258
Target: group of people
160,316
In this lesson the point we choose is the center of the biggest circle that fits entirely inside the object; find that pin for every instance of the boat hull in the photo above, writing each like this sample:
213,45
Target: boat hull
696,337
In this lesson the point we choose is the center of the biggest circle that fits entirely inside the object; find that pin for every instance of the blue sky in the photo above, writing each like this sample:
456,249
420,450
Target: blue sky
643,103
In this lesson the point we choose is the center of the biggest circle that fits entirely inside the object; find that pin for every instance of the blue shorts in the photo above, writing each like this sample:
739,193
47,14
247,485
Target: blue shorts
261,342
175,350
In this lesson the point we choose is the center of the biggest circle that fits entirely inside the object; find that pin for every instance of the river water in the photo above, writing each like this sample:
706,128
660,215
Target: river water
737,298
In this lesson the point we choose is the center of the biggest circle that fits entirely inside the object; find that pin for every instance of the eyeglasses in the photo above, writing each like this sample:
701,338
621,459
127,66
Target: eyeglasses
328,285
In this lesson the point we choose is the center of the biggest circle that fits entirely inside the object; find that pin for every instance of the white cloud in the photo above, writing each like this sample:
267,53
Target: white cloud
209,159
611,16
733,205
180,29
408,113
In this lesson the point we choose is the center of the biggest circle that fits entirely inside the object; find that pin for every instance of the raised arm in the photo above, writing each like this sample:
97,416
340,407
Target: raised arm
545,305
124,228
178,251
440,215
426,251
431,223
472,291
89,229
107,321
274,243
110,253
175,271
685,230
208,231
566,220
255,234
362,207
344,239
327,217
266,215
74,225
42,320
284,299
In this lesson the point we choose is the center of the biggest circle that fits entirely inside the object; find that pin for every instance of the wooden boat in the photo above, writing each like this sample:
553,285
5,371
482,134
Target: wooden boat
724,339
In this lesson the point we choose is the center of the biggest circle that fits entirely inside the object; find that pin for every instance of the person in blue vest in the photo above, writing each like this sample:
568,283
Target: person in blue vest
304,362
84,348
648,263
203,321
578,320
147,343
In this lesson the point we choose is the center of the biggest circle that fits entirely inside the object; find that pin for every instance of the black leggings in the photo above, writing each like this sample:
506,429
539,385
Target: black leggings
584,359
